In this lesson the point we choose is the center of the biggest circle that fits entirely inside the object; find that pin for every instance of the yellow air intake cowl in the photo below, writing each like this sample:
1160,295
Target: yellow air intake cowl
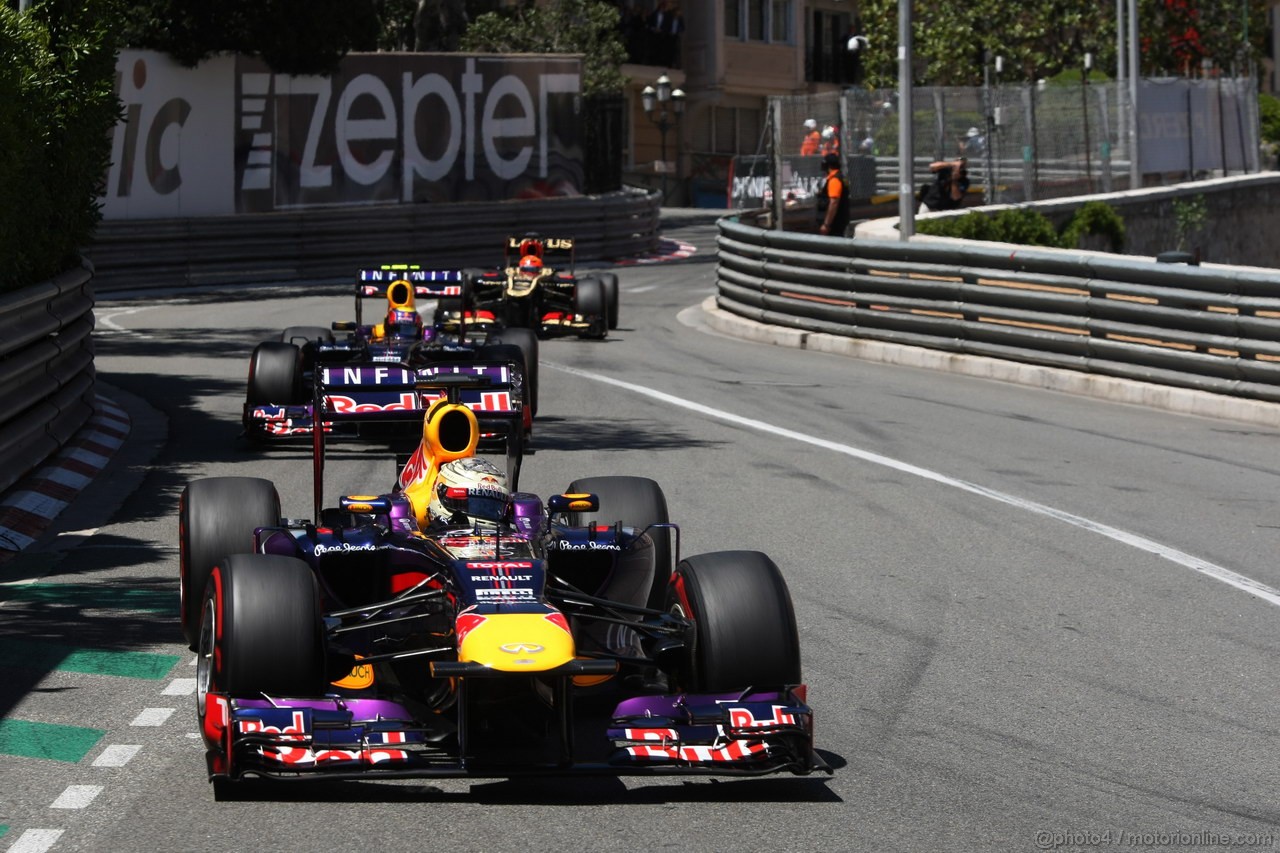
400,296
449,431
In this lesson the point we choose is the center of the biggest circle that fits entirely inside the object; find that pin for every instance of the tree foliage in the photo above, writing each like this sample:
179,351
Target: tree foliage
57,107
1043,38
291,36
587,27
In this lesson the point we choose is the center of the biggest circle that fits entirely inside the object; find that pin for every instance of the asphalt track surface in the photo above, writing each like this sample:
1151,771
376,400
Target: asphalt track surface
1012,630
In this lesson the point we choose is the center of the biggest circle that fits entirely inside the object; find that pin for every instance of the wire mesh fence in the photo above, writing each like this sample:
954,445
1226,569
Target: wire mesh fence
1022,142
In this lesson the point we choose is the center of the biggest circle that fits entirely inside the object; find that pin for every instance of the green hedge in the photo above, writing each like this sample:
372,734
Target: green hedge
57,107
1028,227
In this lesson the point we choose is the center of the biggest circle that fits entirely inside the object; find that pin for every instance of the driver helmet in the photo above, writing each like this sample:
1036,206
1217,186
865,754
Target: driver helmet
530,265
471,486
403,324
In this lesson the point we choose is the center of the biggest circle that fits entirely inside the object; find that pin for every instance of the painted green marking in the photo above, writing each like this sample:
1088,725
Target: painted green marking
4,827
95,596
46,740
24,654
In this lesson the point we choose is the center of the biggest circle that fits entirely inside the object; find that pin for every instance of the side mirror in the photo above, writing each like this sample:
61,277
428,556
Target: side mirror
343,325
557,504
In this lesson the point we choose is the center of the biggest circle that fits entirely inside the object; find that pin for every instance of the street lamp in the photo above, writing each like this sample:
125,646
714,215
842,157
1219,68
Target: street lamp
664,107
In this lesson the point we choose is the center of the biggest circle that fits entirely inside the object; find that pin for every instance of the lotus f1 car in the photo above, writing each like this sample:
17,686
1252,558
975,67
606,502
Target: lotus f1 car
538,289
277,401
513,636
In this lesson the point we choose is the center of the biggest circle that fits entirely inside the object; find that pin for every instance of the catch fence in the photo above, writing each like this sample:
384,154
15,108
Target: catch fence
1023,142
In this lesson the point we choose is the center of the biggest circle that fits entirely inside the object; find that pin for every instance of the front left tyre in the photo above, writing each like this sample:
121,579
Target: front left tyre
216,518
260,631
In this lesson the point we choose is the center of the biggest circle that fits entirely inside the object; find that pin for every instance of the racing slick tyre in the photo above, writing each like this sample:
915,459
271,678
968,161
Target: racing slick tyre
455,305
527,341
270,640
275,374
299,335
636,502
610,282
589,302
744,629
216,517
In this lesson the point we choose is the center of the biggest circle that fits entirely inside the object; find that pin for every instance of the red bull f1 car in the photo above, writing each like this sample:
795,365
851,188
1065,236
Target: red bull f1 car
537,288
456,626
277,399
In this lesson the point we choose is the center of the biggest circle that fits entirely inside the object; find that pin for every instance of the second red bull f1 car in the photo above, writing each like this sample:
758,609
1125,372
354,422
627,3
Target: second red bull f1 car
277,398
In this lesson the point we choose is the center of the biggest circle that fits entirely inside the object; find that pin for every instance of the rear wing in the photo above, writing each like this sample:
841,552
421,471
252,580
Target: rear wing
555,252
380,393
427,283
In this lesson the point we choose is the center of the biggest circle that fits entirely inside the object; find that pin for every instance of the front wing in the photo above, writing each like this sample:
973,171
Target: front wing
726,734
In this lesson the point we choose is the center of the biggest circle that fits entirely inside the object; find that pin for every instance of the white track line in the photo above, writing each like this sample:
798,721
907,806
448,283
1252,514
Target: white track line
36,841
108,322
116,755
153,717
76,797
1142,543
180,687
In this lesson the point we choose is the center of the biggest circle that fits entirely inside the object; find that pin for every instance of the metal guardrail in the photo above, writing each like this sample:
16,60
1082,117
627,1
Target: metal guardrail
327,244
1211,328
46,370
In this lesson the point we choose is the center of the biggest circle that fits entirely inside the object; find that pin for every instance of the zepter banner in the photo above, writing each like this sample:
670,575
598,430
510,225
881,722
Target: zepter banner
231,136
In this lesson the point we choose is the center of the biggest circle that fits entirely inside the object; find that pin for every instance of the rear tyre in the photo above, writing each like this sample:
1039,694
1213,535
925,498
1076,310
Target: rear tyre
636,502
455,305
527,341
743,626
216,517
610,282
270,640
589,302
275,374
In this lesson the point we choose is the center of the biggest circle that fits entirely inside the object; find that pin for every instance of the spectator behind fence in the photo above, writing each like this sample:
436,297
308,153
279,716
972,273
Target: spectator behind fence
809,145
974,143
946,190
830,143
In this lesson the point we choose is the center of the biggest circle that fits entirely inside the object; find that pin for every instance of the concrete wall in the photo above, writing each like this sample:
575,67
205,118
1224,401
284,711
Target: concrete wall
1241,228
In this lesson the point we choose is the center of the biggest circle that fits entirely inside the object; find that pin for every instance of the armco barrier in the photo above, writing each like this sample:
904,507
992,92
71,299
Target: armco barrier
46,370
1211,328
330,244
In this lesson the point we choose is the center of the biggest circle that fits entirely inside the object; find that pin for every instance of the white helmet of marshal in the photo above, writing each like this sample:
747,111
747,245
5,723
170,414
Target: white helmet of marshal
471,486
